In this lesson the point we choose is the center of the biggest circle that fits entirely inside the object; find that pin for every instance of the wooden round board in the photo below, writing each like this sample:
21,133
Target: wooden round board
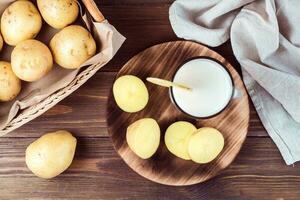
161,61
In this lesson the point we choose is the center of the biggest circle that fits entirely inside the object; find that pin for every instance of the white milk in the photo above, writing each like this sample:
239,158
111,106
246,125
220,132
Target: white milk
211,87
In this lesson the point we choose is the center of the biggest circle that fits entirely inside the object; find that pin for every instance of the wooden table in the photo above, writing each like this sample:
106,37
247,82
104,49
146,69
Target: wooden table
97,172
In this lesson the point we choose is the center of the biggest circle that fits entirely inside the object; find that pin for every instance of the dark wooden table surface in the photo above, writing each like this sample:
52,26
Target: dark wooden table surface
98,172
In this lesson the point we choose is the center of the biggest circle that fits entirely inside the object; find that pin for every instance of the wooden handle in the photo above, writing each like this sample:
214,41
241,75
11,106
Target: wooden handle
93,10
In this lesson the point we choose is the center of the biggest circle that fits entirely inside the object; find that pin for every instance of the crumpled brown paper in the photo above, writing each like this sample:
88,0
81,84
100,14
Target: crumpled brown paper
59,82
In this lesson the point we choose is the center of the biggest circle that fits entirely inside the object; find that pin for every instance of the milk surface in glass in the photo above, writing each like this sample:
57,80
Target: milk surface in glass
211,87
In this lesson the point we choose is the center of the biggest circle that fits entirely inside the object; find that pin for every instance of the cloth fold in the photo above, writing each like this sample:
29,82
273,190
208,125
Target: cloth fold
265,40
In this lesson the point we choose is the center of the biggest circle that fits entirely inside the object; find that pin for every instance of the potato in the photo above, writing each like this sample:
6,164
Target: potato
20,21
31,60
130,93
10,84
72,46
51,154
58,13
1,42
177,138
205,145
143,137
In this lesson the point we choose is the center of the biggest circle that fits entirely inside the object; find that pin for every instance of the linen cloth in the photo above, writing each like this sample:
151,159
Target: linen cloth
265,38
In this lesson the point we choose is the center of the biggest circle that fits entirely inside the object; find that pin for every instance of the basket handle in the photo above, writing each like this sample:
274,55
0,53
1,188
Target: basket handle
93,9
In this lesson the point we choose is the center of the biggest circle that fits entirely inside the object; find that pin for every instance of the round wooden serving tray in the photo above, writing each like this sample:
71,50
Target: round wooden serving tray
163,167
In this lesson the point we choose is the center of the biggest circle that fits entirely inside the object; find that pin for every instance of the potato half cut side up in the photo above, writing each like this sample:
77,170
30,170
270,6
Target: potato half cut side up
205,145
177,138
130,93
143,137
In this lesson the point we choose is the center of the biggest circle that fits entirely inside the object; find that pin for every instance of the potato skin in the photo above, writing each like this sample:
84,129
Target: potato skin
58,13
10,84
1,42
72,46
31,60
20,21
51,154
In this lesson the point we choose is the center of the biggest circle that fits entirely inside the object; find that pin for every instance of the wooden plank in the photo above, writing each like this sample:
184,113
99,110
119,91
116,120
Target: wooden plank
144,28
84,113
98,173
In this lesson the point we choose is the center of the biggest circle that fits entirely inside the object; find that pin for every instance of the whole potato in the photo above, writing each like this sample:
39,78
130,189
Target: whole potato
20,21
10,84
51,154
58,13
72,46
31,60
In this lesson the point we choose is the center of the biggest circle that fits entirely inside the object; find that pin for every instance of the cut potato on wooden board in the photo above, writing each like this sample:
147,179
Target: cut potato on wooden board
72,46
130,93
31,60
51,154
20,21
205,145
58,13
10,84
143,137
177,138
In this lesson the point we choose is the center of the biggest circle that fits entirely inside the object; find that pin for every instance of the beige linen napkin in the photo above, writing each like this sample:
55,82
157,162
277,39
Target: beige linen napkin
108,40
265,37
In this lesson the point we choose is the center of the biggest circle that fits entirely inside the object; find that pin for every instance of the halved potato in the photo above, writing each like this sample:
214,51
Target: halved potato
205,145
143,137
177,138
130,93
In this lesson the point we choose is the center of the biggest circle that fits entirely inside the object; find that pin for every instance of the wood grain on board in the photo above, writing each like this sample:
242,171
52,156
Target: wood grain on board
162,61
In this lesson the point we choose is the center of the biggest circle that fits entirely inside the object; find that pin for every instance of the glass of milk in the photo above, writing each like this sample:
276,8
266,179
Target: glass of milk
211,86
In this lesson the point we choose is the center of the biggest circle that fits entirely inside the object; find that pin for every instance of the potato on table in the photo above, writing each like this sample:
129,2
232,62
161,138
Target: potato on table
58,13
177,138
31,60
130,93
10,84
205,145
72,46
20,21
51,154
143,137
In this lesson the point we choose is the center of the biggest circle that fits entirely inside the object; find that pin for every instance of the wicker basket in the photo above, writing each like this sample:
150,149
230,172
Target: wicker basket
36,110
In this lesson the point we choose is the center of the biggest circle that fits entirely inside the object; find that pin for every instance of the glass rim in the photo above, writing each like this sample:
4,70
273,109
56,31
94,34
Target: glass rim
207,58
